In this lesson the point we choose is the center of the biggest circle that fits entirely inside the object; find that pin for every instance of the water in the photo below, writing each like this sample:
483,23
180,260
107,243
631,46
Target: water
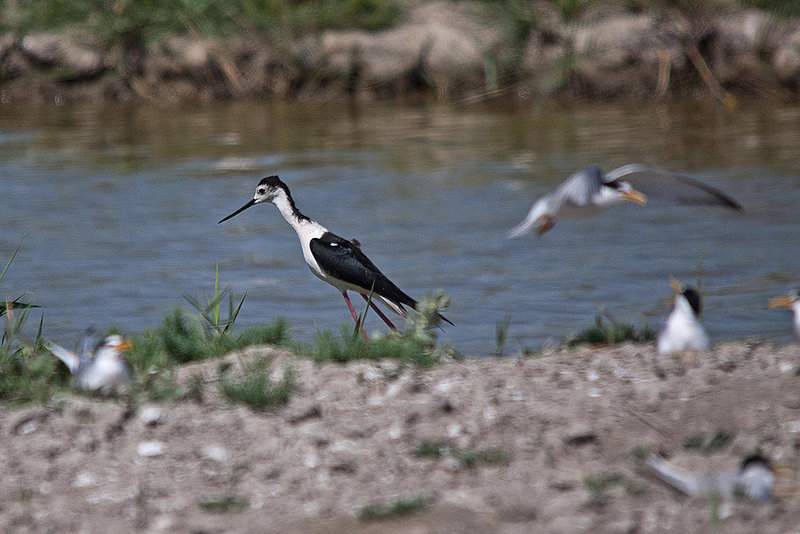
117,207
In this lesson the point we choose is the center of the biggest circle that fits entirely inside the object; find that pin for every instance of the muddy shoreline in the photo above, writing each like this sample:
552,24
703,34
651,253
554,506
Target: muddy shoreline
445,51
541,432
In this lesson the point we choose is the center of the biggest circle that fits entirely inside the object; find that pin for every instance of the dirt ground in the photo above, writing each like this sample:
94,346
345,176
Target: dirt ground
551,438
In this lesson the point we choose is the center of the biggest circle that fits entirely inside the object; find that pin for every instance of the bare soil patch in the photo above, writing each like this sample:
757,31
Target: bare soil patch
536,444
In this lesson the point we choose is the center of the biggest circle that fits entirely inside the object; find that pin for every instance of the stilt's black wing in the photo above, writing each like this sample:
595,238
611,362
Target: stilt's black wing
344,261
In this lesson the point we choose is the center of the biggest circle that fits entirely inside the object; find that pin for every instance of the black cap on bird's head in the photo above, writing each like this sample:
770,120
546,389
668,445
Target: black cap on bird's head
693,298
269,182
689,293
628,192
265,192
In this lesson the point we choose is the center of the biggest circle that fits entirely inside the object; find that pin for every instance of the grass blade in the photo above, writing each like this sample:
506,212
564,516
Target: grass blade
13,254
232,315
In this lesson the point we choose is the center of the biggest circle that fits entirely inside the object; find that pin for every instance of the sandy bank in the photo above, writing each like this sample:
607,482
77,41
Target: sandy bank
529,440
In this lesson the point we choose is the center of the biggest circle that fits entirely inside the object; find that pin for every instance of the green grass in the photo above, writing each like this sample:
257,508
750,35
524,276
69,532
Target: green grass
222,504
415,345
30,373
183,338
15,304
395,508
501,335
598,485
708,444
132,22
27,371
467,458
609,333
256,389
601,483
346,347
782,8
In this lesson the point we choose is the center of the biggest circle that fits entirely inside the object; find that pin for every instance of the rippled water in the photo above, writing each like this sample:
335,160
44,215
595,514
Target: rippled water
117,207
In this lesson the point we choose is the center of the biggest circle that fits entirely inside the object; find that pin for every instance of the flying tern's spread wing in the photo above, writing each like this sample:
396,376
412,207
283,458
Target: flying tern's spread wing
671,187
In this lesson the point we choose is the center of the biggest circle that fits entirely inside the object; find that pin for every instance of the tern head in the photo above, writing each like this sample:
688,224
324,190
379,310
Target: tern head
266,191
689,293
117,342
627,192
785,301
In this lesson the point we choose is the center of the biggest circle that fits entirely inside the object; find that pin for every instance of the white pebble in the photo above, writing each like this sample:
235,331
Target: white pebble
150,448
27,427
453,430
215,453
83,480
151,415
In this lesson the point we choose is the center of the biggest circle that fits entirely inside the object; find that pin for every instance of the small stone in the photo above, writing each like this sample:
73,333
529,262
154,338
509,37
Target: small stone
343,466
163,523
793,427
562,484
27,427
215,452
150,448
370,374
580,436
443,386
726,365
310,412
453,430
83,480
394,389
446,406
151,415
792,402
451,464
29,421
311,460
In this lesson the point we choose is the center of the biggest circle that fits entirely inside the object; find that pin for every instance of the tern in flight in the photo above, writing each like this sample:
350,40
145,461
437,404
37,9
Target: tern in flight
333,259
590,192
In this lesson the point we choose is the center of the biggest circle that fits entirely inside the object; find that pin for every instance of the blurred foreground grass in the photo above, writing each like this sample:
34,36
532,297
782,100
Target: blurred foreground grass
28,372
148,20
137,21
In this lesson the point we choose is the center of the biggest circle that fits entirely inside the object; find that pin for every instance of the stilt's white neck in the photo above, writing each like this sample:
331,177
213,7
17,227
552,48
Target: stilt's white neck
303,226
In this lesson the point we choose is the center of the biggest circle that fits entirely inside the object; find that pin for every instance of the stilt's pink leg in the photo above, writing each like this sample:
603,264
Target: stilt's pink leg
354,314
379,312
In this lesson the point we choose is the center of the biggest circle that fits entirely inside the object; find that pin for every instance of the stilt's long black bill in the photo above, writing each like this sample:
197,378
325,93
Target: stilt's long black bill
240,210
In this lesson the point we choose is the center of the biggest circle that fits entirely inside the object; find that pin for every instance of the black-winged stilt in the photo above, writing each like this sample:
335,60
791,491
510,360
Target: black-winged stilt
331,258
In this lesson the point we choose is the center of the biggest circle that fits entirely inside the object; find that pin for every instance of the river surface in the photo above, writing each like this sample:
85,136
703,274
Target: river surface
117,208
